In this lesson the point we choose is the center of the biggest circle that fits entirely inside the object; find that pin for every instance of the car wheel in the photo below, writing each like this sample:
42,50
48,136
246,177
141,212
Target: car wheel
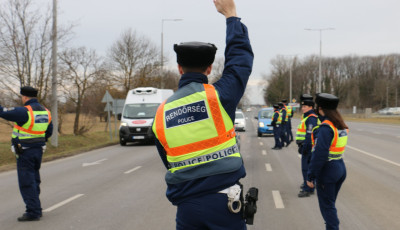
122,143
259,134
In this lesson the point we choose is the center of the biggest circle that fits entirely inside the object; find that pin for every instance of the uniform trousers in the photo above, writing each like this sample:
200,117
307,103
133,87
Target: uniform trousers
284,136
28,165
305,161
208,212
277,136
289,130
332,177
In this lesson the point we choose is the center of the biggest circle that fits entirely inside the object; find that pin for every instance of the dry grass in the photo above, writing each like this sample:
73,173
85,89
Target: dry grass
69,144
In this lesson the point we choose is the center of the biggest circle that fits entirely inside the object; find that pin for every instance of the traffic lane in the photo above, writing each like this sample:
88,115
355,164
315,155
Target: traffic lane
369,197
67,177
286,211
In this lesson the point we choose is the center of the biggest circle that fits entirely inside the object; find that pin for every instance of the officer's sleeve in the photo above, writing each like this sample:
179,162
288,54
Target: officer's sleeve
238,65
49,131
311,122
283,115
15,114
162,153
324,136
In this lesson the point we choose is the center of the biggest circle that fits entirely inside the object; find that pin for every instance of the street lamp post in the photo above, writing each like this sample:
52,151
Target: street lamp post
162,45
320,54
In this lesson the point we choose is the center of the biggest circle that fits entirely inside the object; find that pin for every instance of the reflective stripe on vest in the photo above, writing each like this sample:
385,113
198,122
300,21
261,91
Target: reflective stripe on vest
34,130
279,120
301,129
338,143
195,129
289,110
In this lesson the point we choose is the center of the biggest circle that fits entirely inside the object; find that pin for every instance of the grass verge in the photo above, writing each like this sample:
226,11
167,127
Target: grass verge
68,145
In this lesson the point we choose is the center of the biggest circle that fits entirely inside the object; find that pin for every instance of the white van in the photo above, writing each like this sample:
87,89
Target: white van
138,114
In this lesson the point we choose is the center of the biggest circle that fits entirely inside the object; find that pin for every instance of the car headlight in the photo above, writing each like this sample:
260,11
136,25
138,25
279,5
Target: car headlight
261,124
123,124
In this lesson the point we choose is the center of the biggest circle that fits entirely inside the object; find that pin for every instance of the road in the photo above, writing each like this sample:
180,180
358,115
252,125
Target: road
123,187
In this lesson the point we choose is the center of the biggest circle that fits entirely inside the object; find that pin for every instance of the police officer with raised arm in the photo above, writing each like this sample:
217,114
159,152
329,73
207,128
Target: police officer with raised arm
327,166
195,131
303,139
32,128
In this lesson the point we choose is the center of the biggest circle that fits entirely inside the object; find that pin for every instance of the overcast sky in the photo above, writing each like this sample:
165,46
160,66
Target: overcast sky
362,27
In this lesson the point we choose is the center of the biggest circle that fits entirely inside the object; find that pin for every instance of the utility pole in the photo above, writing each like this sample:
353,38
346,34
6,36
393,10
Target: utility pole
320,55
54,99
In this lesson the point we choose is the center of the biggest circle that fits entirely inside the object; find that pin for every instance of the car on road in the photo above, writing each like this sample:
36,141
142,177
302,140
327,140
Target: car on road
389,111
264,121
240,121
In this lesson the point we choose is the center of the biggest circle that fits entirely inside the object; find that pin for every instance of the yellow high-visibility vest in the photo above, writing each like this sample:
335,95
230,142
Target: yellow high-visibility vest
197,134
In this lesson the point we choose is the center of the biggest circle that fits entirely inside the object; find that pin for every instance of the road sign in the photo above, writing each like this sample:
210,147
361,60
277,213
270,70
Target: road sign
107,97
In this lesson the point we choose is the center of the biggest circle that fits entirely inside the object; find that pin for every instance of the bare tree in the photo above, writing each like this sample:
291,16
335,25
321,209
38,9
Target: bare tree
25,46
132,56
80,69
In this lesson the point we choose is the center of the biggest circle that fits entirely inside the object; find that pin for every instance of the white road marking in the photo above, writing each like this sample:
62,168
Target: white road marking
261,143
277,199
264,152
374,156
299,155
377,133
63,203
134,169
94,163
268,167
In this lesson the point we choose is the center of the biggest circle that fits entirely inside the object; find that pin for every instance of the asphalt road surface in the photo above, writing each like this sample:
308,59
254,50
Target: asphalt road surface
123,187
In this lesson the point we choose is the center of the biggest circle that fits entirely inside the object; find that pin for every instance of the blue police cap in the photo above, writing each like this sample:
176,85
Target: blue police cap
195,54
29,91
326,101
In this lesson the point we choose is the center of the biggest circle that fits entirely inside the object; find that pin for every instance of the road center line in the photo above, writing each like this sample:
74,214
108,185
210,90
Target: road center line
374,156
277,199
261,143
134,169
63,203
268,167
264,152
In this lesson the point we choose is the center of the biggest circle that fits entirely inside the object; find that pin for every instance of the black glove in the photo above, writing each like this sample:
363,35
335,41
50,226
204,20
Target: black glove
273,123
300,150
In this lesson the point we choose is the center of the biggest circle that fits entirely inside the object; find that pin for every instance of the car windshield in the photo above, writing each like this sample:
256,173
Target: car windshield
239,115
140,111
266,114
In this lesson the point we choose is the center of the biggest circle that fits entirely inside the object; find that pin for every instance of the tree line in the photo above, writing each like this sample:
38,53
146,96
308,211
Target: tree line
362,81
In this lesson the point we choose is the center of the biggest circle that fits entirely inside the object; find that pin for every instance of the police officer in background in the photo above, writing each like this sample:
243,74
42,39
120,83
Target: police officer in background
277,124
284,136
303,139
31,130
195,133
289,110
327,167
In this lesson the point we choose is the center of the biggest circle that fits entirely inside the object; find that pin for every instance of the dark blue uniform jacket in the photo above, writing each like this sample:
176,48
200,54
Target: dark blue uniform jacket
323,137
275,118
238,65
20,115
311,122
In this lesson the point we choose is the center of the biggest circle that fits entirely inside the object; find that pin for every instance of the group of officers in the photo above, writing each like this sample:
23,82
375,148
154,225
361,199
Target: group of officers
321,138
208,194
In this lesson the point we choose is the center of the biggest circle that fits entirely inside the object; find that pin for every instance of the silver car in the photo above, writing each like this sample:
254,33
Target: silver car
240,121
